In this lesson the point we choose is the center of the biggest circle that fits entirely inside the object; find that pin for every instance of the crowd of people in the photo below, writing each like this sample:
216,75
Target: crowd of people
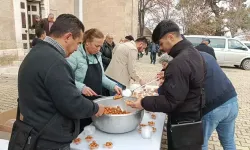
70,67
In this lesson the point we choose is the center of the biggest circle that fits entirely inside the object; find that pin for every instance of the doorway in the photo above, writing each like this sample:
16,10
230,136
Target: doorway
29,10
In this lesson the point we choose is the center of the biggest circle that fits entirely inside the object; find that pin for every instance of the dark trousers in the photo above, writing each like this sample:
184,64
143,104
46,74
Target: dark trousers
153,57
170,146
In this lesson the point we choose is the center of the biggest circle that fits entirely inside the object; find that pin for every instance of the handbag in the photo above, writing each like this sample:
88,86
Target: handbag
24,136
189,133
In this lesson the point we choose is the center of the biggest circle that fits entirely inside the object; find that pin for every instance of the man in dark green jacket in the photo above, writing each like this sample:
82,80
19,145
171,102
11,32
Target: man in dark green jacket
106,51
46,88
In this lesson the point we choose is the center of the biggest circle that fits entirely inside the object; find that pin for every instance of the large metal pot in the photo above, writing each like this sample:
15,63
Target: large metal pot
118,123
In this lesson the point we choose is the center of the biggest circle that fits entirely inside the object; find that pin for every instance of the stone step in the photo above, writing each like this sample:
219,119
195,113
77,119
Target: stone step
17,63
9,71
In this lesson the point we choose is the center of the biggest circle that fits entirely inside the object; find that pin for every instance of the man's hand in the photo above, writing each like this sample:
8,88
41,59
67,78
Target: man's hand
160,75
118,90
161,82
100,111
136,104
142,82
88,91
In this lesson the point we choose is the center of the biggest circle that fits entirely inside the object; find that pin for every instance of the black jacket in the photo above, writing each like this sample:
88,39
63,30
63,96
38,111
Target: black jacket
218,88
182,86
46,86
35,41
106,51
44,23
204,48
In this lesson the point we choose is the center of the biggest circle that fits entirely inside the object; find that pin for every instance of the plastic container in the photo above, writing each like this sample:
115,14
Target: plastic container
146,132
89,130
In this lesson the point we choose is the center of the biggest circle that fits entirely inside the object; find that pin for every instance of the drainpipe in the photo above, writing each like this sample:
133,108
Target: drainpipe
132,21
81,10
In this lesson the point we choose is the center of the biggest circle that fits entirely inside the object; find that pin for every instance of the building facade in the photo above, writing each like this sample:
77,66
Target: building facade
118,17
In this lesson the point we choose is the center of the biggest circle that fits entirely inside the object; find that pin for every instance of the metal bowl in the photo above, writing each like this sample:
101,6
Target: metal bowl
118,123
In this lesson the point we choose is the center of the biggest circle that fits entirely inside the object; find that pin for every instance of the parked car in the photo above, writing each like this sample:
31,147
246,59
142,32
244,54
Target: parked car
228,51
247,43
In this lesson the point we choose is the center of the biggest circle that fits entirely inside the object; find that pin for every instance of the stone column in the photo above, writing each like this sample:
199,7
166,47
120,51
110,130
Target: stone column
78,9
18,23
81,10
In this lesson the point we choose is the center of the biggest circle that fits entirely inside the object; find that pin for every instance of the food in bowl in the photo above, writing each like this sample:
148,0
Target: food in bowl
77,141
108,145
93,145
151,123
108,122
117,96
114,111
89,138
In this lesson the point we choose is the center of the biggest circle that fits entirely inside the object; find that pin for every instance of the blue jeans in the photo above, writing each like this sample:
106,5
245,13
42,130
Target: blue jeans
222,119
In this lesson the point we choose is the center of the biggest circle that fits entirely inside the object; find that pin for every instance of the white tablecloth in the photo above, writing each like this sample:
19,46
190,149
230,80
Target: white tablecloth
4,144
128,141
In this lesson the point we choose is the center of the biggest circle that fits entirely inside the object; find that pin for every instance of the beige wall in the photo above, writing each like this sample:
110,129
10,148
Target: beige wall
111,16
58,7
7,29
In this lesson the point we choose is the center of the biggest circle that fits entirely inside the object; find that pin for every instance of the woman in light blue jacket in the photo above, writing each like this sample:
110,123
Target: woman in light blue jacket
86,63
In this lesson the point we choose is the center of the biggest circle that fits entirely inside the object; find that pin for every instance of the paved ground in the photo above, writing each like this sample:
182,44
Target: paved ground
240,79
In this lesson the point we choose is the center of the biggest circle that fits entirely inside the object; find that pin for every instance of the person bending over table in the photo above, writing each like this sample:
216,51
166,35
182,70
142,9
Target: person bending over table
86,63
182,86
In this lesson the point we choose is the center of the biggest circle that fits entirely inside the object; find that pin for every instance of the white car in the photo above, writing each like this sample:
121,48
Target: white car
228,51
247,43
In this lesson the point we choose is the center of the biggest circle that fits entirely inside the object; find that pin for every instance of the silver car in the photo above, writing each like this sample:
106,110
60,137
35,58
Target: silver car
228,51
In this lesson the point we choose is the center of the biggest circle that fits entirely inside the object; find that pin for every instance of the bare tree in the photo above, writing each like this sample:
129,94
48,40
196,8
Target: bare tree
238,19
193,16
233,8
143,7
156,9
163,9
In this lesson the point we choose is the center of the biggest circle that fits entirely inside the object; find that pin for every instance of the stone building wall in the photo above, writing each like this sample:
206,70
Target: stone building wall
58,7
7,29
118,17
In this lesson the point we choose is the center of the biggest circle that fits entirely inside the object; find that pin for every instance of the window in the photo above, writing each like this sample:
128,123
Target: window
217,43
24,36
23,16
234,44
22,5
195,40
33,8
247,44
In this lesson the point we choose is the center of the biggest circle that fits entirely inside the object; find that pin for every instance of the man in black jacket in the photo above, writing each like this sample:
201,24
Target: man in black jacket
203,47
46,88
221,105
40,36
182,85
106,51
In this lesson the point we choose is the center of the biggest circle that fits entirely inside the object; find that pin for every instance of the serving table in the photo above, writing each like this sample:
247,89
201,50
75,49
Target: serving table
127,141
